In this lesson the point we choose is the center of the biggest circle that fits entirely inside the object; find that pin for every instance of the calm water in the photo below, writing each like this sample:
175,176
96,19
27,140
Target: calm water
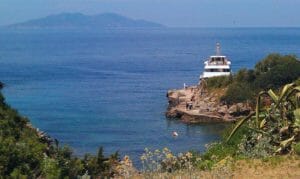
107,88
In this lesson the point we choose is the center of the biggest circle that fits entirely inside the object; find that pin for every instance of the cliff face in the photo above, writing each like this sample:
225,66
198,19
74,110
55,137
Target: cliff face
195,104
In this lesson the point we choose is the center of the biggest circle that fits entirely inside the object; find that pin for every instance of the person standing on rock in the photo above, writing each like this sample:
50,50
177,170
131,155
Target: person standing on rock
190,106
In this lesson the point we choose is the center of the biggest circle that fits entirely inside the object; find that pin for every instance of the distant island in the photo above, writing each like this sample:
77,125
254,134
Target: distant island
81,21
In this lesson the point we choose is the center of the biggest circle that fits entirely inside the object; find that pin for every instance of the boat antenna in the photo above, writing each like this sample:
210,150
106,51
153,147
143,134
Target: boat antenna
218,48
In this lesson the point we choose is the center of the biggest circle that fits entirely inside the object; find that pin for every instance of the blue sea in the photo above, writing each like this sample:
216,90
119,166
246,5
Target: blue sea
108,87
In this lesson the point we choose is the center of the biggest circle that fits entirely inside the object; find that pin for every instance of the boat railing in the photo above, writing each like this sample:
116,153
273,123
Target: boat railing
218,63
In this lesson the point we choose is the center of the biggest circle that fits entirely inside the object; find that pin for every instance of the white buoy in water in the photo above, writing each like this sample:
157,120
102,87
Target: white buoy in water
175,134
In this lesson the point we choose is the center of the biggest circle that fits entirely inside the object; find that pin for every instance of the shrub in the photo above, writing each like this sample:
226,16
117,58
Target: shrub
238,92
272,72
165,161
244,75
297,82
50,168
276,70
275,127
297,148
218,82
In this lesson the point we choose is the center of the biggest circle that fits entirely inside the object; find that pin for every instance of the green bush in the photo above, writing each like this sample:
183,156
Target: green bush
274,128
297,82
275,70
238,92
220,150
297,148
244,75
20,148
218,82
205,165
50,168
272,61
272,72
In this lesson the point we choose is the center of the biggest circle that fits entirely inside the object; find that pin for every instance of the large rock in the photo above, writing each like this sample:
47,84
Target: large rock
201,118
172,113
182,99
213,99
207,99
239,109
223,110
233,109
211,104
240,105
206,107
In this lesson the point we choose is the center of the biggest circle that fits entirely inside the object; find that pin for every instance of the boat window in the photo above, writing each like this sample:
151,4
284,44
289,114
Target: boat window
217,70
218,61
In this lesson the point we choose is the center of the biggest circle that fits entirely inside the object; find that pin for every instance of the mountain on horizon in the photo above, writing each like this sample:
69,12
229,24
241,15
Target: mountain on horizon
78,20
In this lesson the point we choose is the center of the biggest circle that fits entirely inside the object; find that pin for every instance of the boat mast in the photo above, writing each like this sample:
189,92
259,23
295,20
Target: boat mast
218,49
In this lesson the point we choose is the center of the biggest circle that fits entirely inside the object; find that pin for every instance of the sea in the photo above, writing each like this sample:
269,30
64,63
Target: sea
92,88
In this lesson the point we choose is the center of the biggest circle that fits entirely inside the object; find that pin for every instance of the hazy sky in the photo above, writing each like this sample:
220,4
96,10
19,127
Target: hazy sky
174,13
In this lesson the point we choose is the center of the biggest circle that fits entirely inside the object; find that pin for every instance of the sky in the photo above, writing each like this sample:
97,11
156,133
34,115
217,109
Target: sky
172,13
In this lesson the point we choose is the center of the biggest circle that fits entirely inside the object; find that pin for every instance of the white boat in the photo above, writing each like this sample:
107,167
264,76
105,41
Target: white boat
216,65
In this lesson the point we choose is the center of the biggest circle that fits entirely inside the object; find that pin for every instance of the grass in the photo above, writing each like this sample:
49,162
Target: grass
276,166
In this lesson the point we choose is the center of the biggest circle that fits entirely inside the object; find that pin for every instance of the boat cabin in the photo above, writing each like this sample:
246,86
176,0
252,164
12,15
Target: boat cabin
216,65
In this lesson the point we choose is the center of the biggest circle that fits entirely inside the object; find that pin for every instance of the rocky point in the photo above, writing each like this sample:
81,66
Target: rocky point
196,104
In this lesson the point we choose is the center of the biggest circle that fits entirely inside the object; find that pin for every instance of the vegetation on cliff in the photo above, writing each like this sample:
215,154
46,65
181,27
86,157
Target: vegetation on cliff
271,72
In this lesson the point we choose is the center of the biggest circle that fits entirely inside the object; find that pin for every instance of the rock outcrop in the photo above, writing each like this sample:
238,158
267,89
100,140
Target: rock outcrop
195,104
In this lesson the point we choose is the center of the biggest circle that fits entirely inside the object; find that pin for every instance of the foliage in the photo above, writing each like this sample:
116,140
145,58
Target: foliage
50,168
256,146
20,148
274,127
221,150
238,92
125,168
276,70
100,165
245,75
271,72
219,82
297,82
166,161
297,148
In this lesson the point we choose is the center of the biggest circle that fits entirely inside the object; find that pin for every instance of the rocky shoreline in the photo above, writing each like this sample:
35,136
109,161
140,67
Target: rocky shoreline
43,136
196,104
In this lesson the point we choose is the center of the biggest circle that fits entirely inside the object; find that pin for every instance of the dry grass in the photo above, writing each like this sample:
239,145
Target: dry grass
276,167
